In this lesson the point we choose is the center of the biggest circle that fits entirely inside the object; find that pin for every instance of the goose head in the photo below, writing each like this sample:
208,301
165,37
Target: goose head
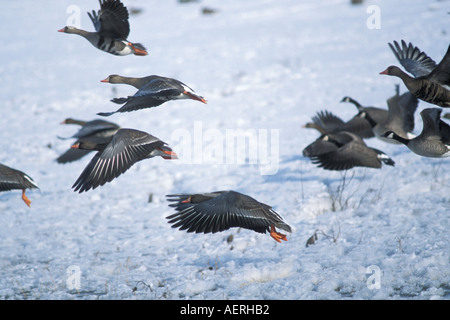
113,78
395,71
69,29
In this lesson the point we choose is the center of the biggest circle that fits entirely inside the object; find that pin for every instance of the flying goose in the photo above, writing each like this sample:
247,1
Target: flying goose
401,109
152,91
343,151
325,122
327,142
11,179
378,114
433,141
221,210
430,82
112,30
113,158
96,131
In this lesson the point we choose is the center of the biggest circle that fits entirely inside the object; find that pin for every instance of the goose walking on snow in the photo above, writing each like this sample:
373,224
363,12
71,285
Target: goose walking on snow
430,82
343,151
96,131
433,141
116,156
221,210
112,30
11,179
152,92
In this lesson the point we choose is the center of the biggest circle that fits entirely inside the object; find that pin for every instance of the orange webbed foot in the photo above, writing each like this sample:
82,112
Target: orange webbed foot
276,235
188,200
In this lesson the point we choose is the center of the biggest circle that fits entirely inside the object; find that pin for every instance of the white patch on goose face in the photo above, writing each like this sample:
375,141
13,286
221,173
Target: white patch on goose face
127,50
447,154
410,135
186,88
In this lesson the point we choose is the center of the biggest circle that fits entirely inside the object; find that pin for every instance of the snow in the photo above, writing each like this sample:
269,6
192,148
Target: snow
265,68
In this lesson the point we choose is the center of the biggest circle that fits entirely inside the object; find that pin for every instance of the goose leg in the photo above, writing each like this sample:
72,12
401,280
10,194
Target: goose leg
25,199
188,200
276,235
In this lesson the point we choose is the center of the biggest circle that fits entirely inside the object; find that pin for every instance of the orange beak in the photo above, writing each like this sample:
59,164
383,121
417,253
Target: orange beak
76,146
194,97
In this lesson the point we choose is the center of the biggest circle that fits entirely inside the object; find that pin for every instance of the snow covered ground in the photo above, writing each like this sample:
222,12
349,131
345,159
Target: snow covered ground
265,67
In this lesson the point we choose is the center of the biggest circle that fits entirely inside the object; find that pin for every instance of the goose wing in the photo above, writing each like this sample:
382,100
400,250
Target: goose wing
441,74
414,61
14,179
351,154
328,120
95,126
127,147
223,211
113,19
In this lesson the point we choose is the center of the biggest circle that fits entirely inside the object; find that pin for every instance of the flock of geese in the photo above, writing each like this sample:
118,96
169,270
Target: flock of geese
117,149
340,146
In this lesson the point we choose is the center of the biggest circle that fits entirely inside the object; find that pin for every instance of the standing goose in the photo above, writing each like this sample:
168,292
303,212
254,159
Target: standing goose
221,210
430,82
400,116
11,179
152,92
113,158
433,141
112,30
96,131
345,150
